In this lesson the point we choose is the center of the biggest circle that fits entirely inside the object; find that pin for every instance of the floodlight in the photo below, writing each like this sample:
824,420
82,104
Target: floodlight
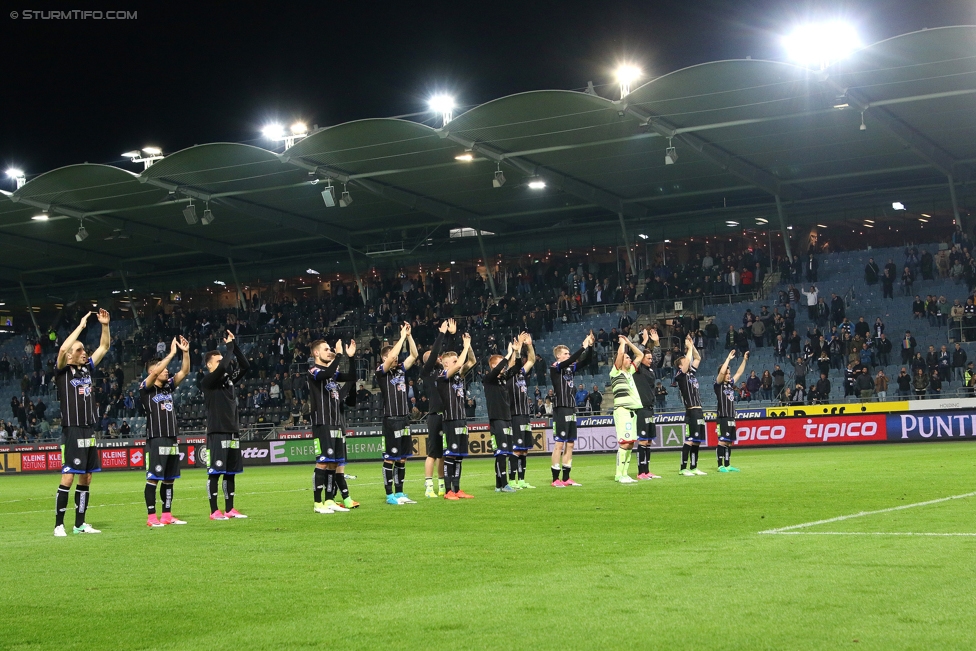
190,213
898,205
328,196
443,104
220,282
626,75
731,223
670,154
821,44
499,179
466,157
536,183
299,129
642,236
82,234
18,176
822,225
345,199
207,216
131,154
152,151
312,271
273,131
41,217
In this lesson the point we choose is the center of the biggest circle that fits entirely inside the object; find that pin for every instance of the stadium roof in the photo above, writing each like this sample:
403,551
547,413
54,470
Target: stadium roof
745,132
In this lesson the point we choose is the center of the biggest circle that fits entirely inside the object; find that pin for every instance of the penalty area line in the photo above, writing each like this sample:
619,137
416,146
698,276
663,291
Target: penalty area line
862,514
862,533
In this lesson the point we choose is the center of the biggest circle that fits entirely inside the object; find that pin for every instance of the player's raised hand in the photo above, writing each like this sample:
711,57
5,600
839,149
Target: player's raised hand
183,344
745,356
351,348
526,338
84,318
103,317
466,338
408,327
451,326
229,337
732,355
173,346
338,347
622,340
443,327
655,337
404,331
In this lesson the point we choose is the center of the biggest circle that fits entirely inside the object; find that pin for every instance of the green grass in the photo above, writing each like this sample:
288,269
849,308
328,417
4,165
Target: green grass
676,563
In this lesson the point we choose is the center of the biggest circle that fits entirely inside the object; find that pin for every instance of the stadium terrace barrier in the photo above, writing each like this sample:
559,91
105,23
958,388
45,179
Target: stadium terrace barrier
921,420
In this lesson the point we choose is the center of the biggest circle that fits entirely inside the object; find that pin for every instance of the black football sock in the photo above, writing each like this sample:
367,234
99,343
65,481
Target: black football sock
643,459
167,494
318,483
81,504
567,468
61,504
151,498
720,454
228,492
449,474
685,451
521,467
512,467
401,473
388,473
457,475
213,486
694,457
330,487
555,473
340,480
499,471
728,454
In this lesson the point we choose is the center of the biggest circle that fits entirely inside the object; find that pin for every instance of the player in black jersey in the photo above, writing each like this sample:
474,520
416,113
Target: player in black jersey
79,456
562,373
435,417
328,398
162,446
521,418
725,392
223,439
644,378
391,376
450,383
686,378
499,404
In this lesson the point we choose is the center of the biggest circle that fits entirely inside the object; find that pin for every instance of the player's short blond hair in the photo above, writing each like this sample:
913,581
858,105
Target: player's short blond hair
555,351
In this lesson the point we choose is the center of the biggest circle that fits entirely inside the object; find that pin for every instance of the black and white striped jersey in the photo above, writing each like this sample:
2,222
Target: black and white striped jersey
688,387
725,392
76,395
327,395
562,375
393,387
518,392
452,395
157,402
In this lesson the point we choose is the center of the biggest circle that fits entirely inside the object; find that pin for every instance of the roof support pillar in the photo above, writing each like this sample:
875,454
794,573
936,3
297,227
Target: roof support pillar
484,256
355,272
955,207
241,303
132,304
30,309
630,252
783,229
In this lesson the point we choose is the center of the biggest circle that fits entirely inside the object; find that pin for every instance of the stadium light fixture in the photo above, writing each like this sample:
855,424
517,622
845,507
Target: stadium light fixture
499,179
345,199
466,157
277,133
220,282
640,235
312,271
328,196
208,216
443,104
731,224
299,129
190,213
821,226
821,44
670,154
863,126
18,176
41,217
762,220
898,205
924,215
626,75
536,183
82,234
667,241
147,156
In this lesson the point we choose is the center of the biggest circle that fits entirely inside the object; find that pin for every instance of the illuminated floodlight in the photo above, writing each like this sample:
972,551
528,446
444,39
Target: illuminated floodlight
731,223
18,176
537,184
466,157
821,44
220,282
299,129
312,272
41,217
822,225
898,205
642,236
152,151
131,154
443,104
273,131
147,156
626,75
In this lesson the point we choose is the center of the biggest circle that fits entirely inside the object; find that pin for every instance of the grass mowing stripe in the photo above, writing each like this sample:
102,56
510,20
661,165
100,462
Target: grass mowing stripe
866,513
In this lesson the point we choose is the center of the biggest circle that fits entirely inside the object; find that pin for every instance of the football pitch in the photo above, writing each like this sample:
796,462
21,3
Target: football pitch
861,547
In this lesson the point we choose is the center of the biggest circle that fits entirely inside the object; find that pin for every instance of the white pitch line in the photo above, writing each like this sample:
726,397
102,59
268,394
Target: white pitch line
862,533
864,513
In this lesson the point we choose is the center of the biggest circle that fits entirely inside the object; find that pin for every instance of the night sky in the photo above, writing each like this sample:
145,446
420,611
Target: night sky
184,74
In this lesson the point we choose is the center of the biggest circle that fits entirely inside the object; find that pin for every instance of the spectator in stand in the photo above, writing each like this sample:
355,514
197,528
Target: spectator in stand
871,272
124,429
779,382
799,394
810,266
743,393
945,364
780,348
800,369
274,393
888,284
660,395
883,347
753,384
823,362
850,378
812,296
786,397
881,385
837,309
470,408
908,345
907,281
864,384
959,359
935,384
969,320
821,392
920,383
865,357
581,396
595,400
758,332
766,384
904,381
861,328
